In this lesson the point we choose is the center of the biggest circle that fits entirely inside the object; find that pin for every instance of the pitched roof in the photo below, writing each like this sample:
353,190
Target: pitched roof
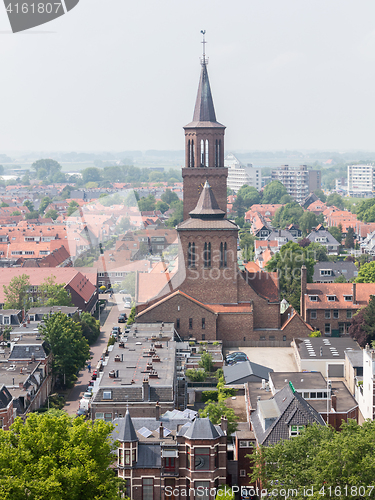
339,291
203,428
204,111
83,286
264,284
207,206
244,372
5,397
126,432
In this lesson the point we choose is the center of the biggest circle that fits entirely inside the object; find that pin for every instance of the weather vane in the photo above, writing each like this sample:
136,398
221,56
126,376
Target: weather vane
204,60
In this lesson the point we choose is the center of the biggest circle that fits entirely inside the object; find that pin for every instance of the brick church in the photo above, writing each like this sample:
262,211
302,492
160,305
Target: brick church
208,297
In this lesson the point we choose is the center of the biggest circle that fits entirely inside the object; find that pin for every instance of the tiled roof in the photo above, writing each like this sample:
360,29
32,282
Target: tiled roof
5,397
82,286
264,284
339,291
207,225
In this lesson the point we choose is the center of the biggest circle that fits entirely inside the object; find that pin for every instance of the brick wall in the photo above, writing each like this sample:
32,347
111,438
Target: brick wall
321,319
235,327
193,181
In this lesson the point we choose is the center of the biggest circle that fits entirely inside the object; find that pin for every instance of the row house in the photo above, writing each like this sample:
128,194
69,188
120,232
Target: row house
323,237
266,210
329,307
7,409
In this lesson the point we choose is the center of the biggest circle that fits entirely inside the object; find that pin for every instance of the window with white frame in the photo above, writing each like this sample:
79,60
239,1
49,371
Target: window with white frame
327,314
295,430
242,472
246,444
313,298
6,320
313,314
107,394
331,298
327,328
348,298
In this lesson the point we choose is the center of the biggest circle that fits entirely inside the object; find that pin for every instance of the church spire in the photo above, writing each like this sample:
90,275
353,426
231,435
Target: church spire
204,110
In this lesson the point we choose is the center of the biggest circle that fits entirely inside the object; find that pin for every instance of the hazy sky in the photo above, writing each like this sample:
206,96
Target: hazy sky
119,75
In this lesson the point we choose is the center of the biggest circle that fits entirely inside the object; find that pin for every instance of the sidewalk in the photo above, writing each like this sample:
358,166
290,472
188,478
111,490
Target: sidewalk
107,317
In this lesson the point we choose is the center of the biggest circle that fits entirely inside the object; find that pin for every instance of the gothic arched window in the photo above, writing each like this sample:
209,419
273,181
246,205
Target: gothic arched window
207,255
191,255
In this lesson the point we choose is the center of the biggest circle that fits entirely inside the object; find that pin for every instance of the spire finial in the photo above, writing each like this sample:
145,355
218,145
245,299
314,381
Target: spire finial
204,61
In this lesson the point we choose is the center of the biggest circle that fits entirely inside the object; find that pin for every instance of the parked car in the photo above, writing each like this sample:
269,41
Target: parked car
123,291
234,354
87,395
81,412
122,318
237,359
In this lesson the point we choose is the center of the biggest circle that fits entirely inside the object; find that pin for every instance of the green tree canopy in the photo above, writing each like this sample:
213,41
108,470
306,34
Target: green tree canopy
162,206
147,203
291,213
52,456
29,205
366,273
45,168
69,347
72,207
89,325
273,192
32,215
320,458
319,193
365,210
307,221
349,239
91,174
17,293
215,410
177,215
52,214
336,232
247,245
317,252
246,197
288,263
206,362
169,196
51,293
44,204
336,200
362,327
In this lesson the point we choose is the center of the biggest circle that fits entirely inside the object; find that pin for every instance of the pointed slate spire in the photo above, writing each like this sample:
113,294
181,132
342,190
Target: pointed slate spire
128,433
207,206
203,428
204,110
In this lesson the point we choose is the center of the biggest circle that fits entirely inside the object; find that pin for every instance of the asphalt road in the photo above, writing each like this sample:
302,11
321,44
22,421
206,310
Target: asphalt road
108,319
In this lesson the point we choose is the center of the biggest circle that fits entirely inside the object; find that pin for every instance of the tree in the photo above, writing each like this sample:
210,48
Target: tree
162,206
29,205
307,222
177,215
340,279
69,347
206,362
247,245
3,204
53,456
51,293
291,213
349,239
32,215
89,325
15,213
91,174
72,207
169,196
196,375
44,204
319,193
336,200
362,327
51,214
215,410
288,263
336,232
321,460
45,168
17,293
128,283
273,192
123,225
366,273
147,203
317,252
249,195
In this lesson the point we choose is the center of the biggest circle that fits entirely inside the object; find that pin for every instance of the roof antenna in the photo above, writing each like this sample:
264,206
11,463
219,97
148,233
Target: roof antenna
204,61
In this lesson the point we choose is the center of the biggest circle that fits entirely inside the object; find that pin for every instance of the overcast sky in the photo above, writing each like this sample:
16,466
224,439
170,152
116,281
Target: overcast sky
115,75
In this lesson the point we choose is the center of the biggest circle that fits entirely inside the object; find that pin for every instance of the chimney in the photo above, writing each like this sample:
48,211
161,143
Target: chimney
354,293
157,410
303,290
161,431
334,402
224,424
145,390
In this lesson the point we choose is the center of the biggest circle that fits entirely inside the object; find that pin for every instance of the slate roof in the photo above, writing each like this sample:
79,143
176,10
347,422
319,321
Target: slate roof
292,410
5,397
207,206
24,351
126,432
204,111
244,372
202,428
323,233
346,269
149,456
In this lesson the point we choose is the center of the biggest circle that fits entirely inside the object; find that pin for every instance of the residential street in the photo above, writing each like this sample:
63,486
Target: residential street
108,319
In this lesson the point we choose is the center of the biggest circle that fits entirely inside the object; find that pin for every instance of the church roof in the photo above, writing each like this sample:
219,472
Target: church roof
204,111
207,206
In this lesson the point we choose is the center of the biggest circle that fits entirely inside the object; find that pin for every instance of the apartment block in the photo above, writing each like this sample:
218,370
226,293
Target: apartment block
360,180
298,181
239,174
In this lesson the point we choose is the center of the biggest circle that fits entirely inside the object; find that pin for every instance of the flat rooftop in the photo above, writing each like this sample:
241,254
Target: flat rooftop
325,348
301,380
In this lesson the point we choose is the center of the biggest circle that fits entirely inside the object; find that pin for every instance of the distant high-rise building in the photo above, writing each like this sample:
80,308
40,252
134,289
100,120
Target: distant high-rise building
238,174
298,181
361,180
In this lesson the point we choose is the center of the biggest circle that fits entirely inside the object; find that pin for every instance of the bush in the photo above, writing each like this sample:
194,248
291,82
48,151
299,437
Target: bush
317,333
196,375
210,396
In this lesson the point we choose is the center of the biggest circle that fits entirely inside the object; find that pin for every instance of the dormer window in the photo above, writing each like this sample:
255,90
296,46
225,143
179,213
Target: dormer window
295,430
325,272
313,298
348,298
331,298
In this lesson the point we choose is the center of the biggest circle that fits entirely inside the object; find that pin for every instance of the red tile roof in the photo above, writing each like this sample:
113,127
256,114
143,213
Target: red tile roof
339,290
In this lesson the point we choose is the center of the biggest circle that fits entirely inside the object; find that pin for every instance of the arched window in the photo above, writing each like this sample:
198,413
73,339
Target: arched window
189,154
207,255
192,154
225,255
206,156
202,153
221,254
191,255
219,153
216,153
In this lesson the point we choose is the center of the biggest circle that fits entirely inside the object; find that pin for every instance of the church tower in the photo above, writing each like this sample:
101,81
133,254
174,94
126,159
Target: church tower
204,149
